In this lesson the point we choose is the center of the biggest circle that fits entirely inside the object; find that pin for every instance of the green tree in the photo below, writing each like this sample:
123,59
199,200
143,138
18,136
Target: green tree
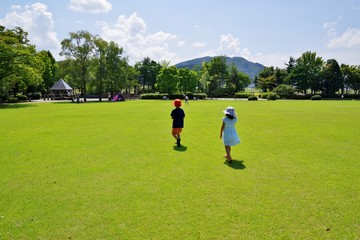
149,70
290,65
284,91
69,71
188,80
100,62
266,80
20,68
332,77
306,72
218,73
80,47
168,80
280,76
115,68
132,76
50,73
237,79
351,77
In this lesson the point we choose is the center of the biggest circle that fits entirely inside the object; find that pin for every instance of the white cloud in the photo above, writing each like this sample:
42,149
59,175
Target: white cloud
15,7
37,21
356,8
181,43
90,6
330,28
131,34
230,46
350,38
199,44
276,59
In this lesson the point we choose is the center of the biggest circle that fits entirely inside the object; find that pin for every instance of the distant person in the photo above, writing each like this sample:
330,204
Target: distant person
228,132
178,116
187,100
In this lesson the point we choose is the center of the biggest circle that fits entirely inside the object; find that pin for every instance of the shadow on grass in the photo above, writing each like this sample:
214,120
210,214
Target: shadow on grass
15,105
180,149
236,164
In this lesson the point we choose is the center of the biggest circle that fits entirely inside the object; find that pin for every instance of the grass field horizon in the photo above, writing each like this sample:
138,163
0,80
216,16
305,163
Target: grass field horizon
112,171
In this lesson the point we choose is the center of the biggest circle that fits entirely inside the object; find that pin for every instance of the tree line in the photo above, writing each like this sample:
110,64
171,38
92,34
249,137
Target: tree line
96,67
310,74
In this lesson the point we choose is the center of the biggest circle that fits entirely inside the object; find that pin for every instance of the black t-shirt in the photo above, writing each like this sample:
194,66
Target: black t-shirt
178,118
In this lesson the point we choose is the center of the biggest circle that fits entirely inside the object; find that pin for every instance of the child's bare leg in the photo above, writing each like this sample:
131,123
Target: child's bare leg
228,152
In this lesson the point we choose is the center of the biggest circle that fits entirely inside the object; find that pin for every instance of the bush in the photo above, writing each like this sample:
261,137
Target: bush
197,95
264,95
22,97
36,95
221,92
316,97
152,96
272,96
242,95
284,91
12,100
301,96
252,98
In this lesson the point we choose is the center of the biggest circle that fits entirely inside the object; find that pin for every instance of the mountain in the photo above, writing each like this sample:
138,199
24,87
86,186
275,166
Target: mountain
249,68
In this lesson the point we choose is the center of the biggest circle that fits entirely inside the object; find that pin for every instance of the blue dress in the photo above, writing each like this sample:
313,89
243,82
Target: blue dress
229,135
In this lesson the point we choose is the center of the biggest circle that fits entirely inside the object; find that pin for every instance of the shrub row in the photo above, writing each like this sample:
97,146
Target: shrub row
252,98
316,97
326,96
172,96
269,96
243,95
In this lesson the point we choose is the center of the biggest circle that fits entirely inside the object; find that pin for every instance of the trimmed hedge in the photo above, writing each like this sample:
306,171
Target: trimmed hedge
152,96
22,97
242,95
316,97
252,98
173,96
269,96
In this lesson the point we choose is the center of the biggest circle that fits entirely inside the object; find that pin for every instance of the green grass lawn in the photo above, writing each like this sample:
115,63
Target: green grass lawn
111,171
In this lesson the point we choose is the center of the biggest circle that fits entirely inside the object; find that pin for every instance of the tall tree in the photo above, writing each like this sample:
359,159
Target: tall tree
149,70
332,77
351,77
115,68
306,73
238,79
188,80
50,73
100,65
69,71
80,47
218,72
19,65
168,80
266,79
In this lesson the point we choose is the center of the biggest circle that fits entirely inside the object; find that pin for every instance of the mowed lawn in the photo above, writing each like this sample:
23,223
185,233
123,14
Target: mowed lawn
112,171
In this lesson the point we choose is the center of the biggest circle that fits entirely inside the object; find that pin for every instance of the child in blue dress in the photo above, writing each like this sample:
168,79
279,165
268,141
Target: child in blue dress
228,132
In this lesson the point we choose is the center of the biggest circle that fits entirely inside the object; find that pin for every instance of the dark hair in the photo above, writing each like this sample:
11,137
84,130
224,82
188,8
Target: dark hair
229,116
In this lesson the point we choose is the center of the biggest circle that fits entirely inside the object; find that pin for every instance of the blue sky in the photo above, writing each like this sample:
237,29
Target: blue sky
263,31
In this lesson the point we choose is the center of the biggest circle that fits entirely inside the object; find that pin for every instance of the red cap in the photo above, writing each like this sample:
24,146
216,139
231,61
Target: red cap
177,103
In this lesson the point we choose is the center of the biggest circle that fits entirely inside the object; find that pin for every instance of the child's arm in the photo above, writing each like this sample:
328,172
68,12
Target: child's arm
222,129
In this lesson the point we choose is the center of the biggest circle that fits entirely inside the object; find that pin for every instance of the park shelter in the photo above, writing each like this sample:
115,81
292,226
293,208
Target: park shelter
61,90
